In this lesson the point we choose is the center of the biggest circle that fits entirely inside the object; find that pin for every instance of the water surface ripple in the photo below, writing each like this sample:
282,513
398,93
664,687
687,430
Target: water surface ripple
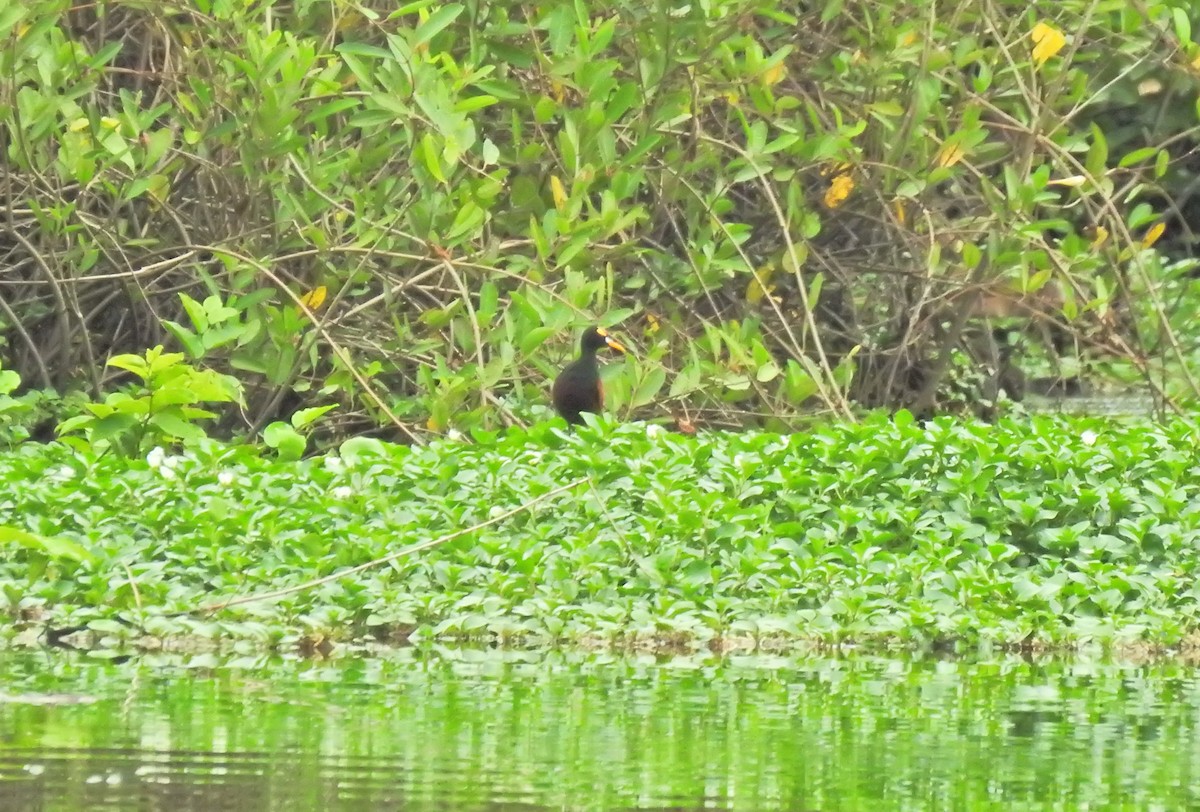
516,730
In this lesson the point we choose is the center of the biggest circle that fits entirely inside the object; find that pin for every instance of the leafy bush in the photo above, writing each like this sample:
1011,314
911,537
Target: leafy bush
29,414
1050,529
780,207
160,410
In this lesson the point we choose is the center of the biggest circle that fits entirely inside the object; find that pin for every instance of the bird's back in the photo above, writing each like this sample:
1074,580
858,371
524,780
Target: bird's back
577,389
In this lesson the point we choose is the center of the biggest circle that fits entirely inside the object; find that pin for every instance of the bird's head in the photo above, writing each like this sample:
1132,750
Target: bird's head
597,338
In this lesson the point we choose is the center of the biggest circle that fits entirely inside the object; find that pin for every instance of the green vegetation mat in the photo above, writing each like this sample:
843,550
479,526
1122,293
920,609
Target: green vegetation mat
1045,530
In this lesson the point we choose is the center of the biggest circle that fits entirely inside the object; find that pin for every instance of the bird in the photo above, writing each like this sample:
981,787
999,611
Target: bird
578,387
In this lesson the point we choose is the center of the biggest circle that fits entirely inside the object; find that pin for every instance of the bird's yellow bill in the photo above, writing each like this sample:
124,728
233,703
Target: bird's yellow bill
612,343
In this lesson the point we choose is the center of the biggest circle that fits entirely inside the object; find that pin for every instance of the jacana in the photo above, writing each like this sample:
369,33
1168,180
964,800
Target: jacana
578,387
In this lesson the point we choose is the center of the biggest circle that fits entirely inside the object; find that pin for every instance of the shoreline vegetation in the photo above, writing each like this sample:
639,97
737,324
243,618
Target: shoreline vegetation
291,227
345,218
1040,534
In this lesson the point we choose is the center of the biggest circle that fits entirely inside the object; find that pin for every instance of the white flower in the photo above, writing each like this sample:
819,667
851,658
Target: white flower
159,461
455,435
343,492
653,430
334,464
226,477
1089,437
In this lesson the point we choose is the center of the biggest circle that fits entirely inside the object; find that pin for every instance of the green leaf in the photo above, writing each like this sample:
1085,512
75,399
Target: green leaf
767,372
473,103
115,425
286,440
535,338
1137,156
210,385
222,335
11,14
971,255
436,22
53,546
798,384
491,153
648,387
160,363
429,153
1183,25
305,417
131,363
622,101
1162,163
75,423
195,312
104,55
172,423
1097,157
411,8
190,341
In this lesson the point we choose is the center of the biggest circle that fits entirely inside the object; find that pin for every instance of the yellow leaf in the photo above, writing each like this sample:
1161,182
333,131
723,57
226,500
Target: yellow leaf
901,210
558,91
350,20
760,285
1070,182
160,188
560,194
78,124
652,324
835,169
1153,234
315,297
755,292
1099,237
432,424
1149,87
950,154
909,38
839,189
1047,41
773,74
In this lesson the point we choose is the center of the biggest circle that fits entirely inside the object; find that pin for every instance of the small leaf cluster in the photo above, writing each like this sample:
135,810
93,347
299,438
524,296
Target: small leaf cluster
161,408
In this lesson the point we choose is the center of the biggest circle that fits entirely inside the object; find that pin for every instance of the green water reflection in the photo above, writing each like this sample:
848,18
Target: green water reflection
507,730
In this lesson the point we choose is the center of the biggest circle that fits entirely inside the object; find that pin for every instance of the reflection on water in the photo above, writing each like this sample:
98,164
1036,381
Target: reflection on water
511,730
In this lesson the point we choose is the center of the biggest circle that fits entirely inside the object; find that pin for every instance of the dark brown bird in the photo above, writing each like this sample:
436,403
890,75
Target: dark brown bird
578,387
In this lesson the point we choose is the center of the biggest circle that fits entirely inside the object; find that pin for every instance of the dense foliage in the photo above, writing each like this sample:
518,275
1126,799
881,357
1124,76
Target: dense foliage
409,210
891,530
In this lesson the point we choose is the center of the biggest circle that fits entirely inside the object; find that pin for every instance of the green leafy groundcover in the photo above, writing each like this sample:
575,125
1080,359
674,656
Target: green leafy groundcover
1044,528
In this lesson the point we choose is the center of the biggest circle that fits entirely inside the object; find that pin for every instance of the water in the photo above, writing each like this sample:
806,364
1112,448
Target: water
511,730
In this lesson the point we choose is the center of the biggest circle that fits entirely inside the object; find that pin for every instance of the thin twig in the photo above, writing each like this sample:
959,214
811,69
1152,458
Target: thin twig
412,548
